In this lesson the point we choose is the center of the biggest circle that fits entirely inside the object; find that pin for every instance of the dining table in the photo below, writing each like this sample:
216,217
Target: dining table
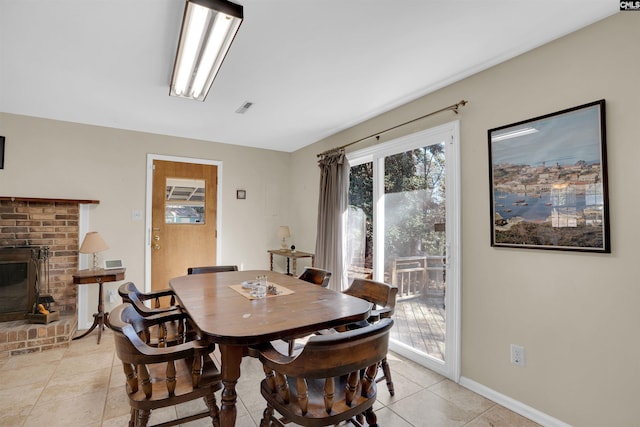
224,312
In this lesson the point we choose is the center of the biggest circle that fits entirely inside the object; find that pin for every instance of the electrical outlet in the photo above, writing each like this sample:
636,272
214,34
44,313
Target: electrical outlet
517,355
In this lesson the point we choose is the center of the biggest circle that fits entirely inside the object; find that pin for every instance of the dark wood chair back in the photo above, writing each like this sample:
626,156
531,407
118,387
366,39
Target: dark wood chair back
381,294
315,275
175,325
130,288
211,269
162,377
383,297
169,328
331,380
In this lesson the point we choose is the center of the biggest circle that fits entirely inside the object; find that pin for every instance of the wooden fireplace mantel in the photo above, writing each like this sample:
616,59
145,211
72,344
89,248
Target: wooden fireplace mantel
47,200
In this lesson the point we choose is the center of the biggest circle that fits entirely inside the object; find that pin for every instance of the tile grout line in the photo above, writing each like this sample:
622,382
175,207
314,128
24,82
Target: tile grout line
481,414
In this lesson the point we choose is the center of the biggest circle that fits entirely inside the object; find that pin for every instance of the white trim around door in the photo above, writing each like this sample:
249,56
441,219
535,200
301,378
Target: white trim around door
149,194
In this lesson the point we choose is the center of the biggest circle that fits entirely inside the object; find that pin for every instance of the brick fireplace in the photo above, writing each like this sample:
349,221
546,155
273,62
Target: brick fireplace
52,223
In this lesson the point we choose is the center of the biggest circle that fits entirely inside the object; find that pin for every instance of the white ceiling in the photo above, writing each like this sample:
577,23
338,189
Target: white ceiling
311,68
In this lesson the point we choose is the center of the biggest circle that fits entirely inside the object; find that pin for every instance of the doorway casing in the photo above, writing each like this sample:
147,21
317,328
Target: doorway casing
149,204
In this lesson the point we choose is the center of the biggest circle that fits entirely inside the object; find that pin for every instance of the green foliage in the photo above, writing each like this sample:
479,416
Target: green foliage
414,187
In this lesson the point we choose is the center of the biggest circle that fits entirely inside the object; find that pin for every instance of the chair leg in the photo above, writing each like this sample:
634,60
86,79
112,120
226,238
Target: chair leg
132,420
266,416
143,417
214,412
371,417
387,374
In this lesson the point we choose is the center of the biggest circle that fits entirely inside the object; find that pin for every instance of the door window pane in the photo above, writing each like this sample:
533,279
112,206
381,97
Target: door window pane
415,242
409,248
184,202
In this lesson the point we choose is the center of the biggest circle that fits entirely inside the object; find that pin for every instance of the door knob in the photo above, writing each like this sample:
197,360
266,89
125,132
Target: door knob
156,238
156,247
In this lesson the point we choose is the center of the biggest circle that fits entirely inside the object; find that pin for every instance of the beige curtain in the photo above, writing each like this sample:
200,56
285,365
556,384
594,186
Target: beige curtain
331,207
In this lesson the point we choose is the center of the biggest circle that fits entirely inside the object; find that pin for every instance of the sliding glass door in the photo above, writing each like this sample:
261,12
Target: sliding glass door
403,229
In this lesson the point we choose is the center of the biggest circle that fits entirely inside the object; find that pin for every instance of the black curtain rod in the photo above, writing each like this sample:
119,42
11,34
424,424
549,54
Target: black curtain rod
453,108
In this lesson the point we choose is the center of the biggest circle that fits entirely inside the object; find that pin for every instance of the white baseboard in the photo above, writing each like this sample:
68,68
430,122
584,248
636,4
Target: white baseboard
512,404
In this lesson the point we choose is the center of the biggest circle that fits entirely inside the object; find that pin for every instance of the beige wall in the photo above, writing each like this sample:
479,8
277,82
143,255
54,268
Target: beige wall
46,158
576,314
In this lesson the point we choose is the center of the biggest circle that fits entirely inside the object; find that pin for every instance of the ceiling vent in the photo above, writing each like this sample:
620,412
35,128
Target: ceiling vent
244,107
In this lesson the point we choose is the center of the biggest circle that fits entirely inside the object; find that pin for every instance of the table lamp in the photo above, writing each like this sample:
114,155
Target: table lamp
283,235
92,244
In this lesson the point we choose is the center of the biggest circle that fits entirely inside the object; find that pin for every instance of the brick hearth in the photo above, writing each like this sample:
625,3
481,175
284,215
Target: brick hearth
19,337
54,224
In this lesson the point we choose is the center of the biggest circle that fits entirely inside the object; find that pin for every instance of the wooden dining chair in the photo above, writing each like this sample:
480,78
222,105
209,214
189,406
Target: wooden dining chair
172,327
383,299
315,275
164,333
211,269
162,377
331,380
129,288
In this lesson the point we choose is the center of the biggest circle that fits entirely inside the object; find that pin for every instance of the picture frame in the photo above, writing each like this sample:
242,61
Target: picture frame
548,181
241,194
1,152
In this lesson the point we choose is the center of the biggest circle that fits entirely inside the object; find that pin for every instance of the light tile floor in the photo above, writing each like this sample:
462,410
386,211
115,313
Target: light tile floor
84,386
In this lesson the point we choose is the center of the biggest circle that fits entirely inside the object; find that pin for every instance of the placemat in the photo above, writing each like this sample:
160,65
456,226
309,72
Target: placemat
247,292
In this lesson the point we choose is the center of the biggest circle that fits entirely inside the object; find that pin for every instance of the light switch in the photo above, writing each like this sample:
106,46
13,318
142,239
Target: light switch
136,215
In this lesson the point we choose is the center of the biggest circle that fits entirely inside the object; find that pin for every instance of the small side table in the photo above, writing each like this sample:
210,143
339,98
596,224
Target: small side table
99,276
291,256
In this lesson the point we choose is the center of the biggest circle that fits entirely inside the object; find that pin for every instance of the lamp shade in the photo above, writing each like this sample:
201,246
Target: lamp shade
92,243
208,28
283,232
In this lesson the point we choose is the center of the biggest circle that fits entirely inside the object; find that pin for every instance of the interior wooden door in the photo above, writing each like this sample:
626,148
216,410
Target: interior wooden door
183,219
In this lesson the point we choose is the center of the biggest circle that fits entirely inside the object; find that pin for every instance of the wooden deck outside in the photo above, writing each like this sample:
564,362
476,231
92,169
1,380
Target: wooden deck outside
419,321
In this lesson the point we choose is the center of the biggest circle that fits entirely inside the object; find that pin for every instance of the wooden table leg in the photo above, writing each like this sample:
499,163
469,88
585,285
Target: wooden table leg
99,318
231,356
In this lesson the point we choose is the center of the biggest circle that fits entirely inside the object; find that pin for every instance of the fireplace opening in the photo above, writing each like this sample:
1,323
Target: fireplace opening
19,271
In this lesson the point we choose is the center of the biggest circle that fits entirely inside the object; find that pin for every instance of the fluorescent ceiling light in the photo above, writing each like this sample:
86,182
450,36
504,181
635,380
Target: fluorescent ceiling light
208,28
513,134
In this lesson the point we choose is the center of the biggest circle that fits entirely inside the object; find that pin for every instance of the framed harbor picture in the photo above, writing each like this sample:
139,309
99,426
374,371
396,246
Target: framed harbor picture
548,181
